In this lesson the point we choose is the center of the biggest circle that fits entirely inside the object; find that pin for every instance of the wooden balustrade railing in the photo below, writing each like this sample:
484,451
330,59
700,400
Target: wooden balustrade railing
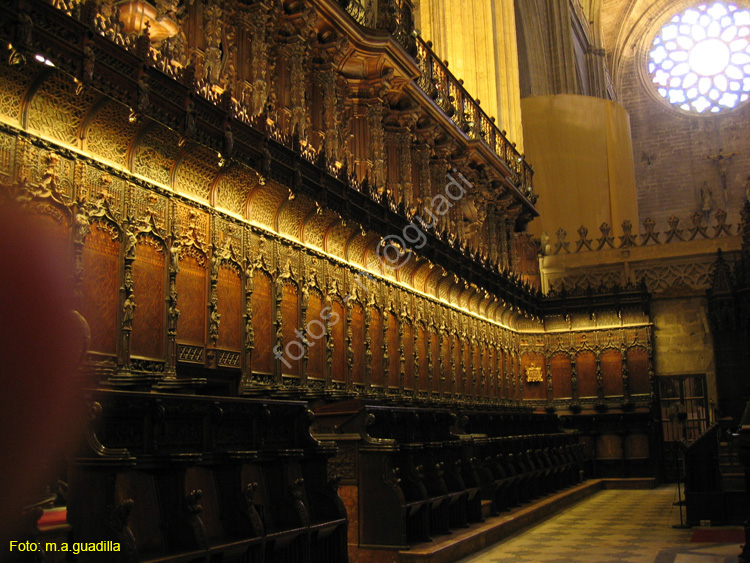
439,83
451,96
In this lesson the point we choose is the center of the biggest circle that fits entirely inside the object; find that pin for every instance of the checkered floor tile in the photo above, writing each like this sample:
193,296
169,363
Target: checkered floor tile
611,527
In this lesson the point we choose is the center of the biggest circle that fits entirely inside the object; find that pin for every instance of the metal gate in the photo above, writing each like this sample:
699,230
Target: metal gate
683,410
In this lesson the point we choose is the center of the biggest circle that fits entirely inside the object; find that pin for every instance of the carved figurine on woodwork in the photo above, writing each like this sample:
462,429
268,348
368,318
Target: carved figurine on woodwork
213,324
174,256
128,313
173,314
81,223
131,240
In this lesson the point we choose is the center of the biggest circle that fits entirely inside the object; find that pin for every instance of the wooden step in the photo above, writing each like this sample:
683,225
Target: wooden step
479,536
486,509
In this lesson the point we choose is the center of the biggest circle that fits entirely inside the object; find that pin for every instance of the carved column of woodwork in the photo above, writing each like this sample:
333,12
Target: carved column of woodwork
650,353
386,346
405,165
328,302
302,332
462,361
498,374
510,226
429,332
505,262
326,77
349,304
278,297
515,392
247,367
214,25
625,374
454,343
173,313
574,379
376,162
423,188
415,352
81,228
255,92
599,376
213,304
394,190
297,56
368,344
442,334
438,167
128,305
506,372
284,276
475,371
401,319
550,390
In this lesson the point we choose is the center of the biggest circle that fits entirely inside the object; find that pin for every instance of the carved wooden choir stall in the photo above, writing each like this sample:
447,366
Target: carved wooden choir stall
275,206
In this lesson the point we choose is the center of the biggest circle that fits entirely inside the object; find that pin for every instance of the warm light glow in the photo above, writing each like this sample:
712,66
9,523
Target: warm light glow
709,57
700,60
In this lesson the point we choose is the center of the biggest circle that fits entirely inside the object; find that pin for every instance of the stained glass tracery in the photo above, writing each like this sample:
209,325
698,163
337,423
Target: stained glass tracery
700,60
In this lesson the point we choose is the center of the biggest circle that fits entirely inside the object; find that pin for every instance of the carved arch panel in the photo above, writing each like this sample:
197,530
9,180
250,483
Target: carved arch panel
149,277
638,370
262,305
316,336
562,376
100,285
586,370
377,377
230,304
611,360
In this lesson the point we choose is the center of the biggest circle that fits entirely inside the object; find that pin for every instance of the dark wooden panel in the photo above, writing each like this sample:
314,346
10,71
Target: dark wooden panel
147,339
293,348
612,372
435,354
486,358
586,368
422,345
562,373
140,485
100,261
337,321
637,360
494,373
191,300
377,378
358,344
231,307
516,376
316,334
262,324
458,380
447,383
473,371
609,446
637,446
533,390
500,374
408,356
394,367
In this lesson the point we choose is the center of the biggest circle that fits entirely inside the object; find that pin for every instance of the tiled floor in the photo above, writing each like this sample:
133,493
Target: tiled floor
611,527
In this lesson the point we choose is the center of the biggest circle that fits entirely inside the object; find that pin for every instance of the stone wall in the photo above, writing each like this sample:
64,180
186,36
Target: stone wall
682,339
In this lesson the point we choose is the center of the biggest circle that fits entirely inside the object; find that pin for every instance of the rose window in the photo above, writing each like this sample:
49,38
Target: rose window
700,60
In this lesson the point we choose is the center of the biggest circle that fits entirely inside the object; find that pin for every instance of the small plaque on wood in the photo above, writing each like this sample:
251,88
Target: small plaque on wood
534,374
